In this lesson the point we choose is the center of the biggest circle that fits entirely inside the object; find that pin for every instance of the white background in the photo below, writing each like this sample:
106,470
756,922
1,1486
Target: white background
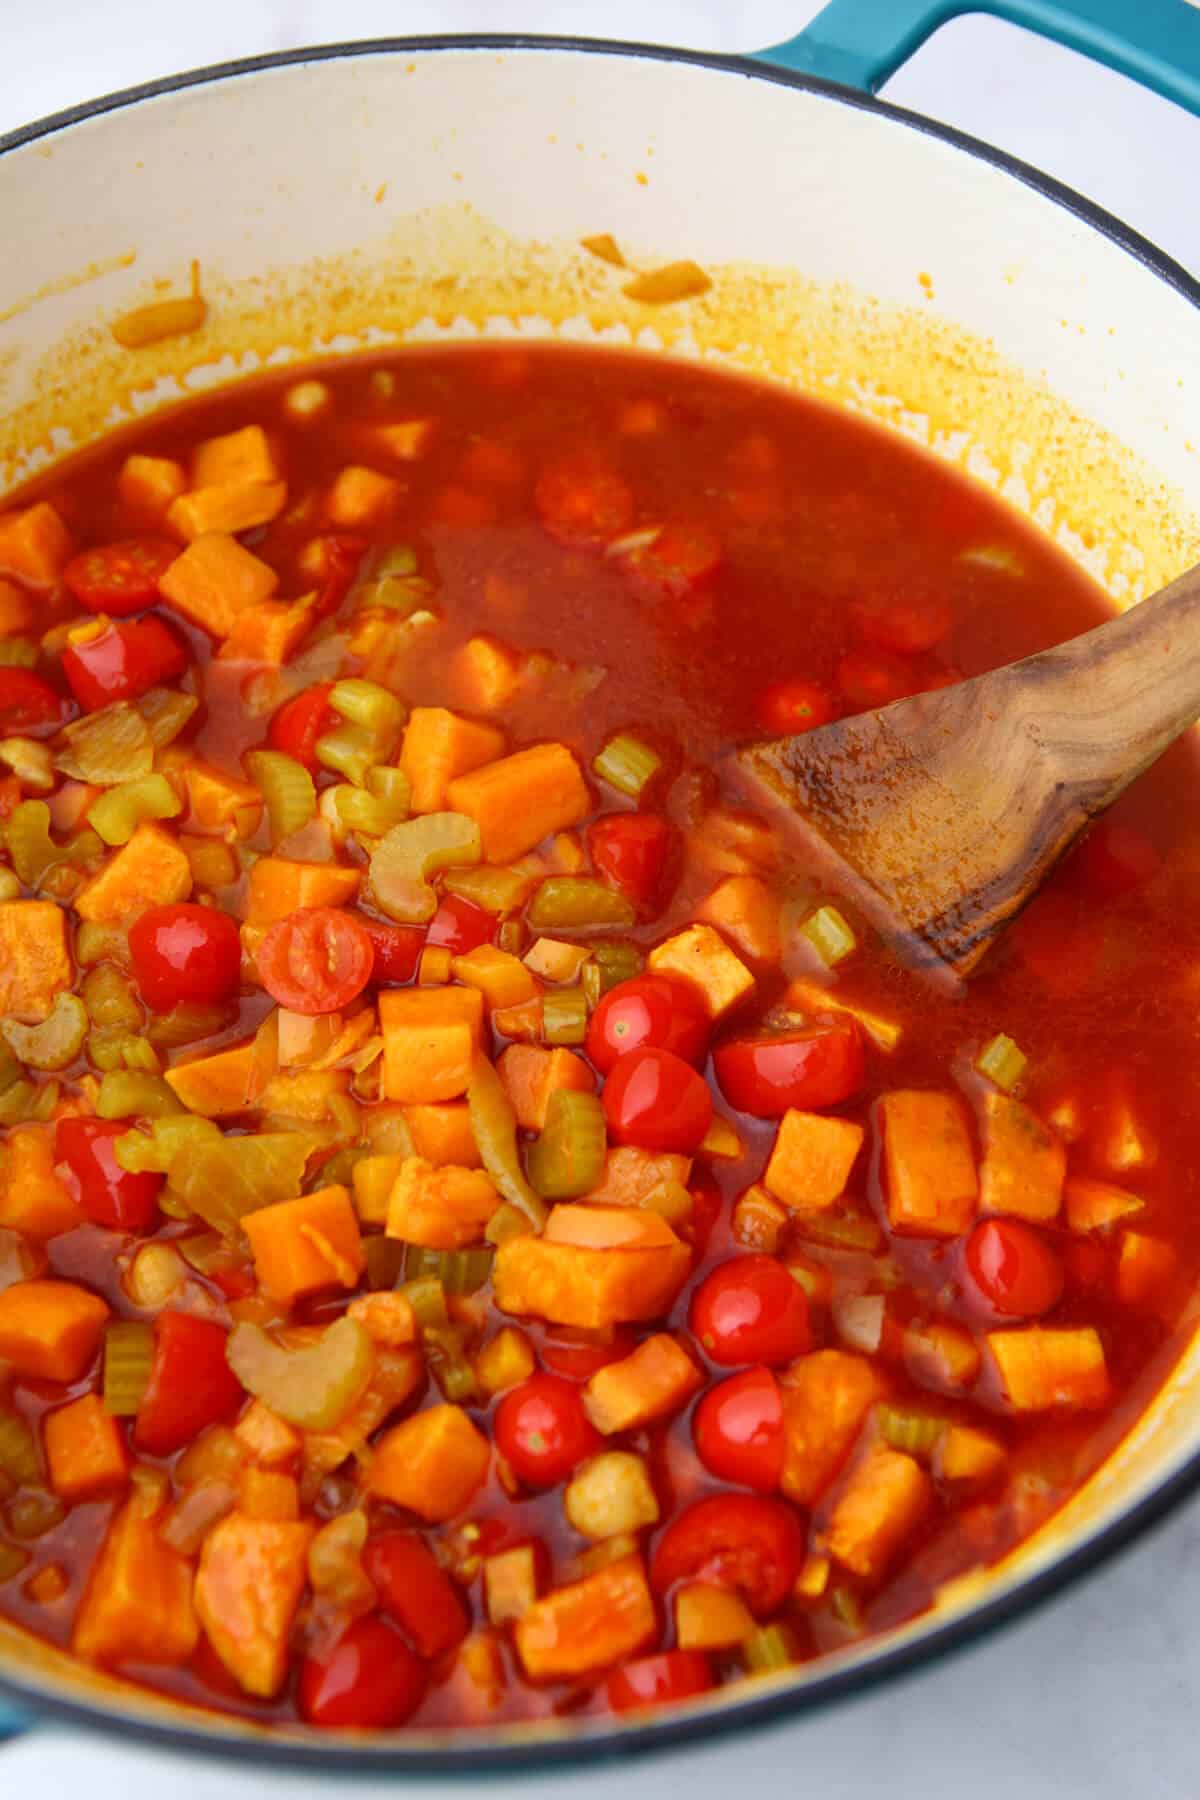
1095,1697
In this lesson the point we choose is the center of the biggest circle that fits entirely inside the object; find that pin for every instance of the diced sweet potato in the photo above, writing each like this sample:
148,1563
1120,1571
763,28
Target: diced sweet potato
1041,1368
711,1618
50,1330
35,965
1023,1162
631,1175
442,1134
387,1318
1146,1268
883,1500
531,1074
942,1355
809,998
228,507
307,1245
235,456
438,747
220,1085
17,609
148,484
270,632
1095,1205
486,674
826,1397
218,799
215,579
702,955
505,1360
433,1463
652,1382
442,1208
570,1285
745,909
251,1576
501,977
150,870
278,888
362,496
931,1182
431,1040
85,1453
812,1159
589,1624
138,1604
374,1177
34,1199
35,545
964,1455
521,799
267,1439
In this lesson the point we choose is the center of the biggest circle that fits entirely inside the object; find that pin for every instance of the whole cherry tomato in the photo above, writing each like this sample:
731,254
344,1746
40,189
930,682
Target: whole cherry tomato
460,926
751,1310
1014,1268
794,705
28,703
109,1194
582,501
191,1384
634,852
682,558
397,949
766,1075
316,961
907,627
741,1541
368,1679
738,1428
660,1012
120,578
299,722
658,1680
122,660
868,680
185,953
542,1431
415,1591
653,1099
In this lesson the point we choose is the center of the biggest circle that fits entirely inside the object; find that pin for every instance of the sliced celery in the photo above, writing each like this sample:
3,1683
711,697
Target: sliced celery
375,808
410,853
506,1223
427,1297
130,1094
830,936
368,704
771,1647
1003,1062
287,790
32,849
385,1262
18,1448
627,764
350,750
611,962
568,1158
564,1016
18,653
458,1271
498,891
313,1387
577,903
117,814
494,1124
110,999
845,1607
54,1043
128,1360
907,1428
446,1355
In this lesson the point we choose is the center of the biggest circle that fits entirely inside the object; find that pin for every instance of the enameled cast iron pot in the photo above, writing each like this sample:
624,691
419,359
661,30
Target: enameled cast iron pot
372,192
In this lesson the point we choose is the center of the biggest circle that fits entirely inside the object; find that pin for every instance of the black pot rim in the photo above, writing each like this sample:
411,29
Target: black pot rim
779,1705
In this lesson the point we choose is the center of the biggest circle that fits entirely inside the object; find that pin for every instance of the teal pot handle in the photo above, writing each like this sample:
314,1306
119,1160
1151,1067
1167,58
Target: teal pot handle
861,43
12,1723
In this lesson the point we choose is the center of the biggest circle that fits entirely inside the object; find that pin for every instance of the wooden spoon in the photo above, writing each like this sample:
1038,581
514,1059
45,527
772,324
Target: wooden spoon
942,815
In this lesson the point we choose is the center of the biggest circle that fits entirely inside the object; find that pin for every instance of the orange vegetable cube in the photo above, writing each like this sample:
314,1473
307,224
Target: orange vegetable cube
278,888
50,1330
217,799
220,1085
407,439
759,1222
251,1576
531,1074
137,1607
1146,1268
150,870
589,1624
487,672
711,1618
826,1398
233,458
443,1208
438,747
268,1494
704,958
267,1439
230,507
442,1134
521,799
884,1498
35,965
304,1246
148,484
374,1177
651,1383
1023,1162
35,545
1094,1205
433,1463
1041,1368
965,1455
17,612
34,1199
809,998
361,496
941,1355
570,1284
812,1159
504,1360
215,579
747,912
85,1452
431,1040
387,1318
930,1167
270,632
501,978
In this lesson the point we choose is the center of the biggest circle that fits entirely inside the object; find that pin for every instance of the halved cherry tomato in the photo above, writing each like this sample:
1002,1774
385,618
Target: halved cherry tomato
1014,1268
707,1201
811,1069
664,1012
738,1428
542,1431
108,1194
740,1541
751,1310
185,953
299,722
368,1679
681,559
191,1384
653,1099
633,852
397,949
317,961
1114,859
416,1592
121,661
120,578
579,1361
341,555
583,501
658,1680
867,680
907,626
460,926
793,705
27,702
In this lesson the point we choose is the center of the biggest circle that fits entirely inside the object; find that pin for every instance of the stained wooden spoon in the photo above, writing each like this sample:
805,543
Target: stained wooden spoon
943,814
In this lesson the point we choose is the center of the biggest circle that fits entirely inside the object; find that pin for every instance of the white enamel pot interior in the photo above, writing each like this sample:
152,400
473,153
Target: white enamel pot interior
385,192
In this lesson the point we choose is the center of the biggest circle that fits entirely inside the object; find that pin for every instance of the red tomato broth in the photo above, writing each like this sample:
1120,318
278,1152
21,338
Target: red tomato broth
849,518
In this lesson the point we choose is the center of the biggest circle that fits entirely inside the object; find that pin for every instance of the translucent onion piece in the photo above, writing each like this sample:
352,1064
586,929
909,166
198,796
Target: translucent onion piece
130,1094
166,711
108,746
335,1567
117,814
410,853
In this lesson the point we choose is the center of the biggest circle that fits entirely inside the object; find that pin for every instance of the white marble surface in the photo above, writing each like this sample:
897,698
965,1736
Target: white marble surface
1090,1699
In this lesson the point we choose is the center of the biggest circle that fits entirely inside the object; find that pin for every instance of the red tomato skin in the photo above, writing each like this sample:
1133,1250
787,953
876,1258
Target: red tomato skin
27,703
738,1428
460,926
751,1310
867,680
299,722
661,1012
119,579
583,502
658,1680
191,1384
185,953
397,950
122,661
368,1679
743,1541
579,1362
542,1431
415,1592
108,1194
765,1076
634,852
655,1100
1014,1268
681,559
794,705
341,555
316,961
707,1204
